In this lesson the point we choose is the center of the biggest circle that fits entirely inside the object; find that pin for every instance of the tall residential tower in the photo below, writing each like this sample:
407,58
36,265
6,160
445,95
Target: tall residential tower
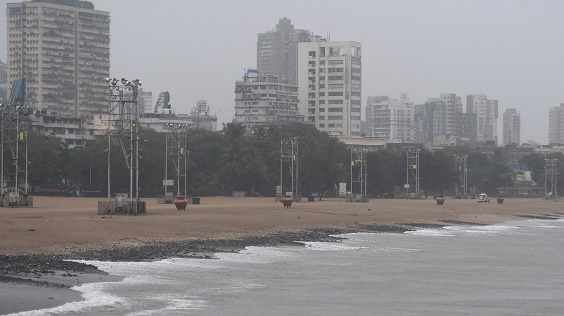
511,127
62,50
556,125
486,113
277,51
329,79
391,119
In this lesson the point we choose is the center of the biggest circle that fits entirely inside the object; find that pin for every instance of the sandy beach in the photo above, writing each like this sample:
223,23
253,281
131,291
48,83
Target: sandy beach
59,225
34,241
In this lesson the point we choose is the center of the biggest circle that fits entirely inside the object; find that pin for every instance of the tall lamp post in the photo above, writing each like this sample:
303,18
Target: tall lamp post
551,175
412,170
461,167
176,143
13,125
123,118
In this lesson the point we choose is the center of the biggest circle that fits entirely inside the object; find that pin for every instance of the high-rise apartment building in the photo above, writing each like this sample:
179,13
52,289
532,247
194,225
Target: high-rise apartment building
556,125
391,119
511,127
329,79
431,121
3,82
145,101
261,99
62,50
277,50
453,114
486,113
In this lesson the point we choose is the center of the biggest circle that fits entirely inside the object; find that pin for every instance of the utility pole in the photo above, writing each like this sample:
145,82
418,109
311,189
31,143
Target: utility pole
551,175
412,171
461,167
289,154
359,172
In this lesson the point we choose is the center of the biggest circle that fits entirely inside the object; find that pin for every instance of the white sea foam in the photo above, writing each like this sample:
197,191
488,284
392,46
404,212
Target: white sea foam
428,232
397,249
260,255
330,246
542,223
452,231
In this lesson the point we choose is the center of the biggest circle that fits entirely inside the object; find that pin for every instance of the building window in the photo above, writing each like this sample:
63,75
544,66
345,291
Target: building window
335,109
335,94
335,101
335,69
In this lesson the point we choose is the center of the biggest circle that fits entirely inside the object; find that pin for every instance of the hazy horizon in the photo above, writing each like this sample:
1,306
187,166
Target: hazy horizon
509,50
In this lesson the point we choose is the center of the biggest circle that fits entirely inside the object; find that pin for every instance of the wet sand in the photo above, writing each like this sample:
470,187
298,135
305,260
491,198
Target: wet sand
34,241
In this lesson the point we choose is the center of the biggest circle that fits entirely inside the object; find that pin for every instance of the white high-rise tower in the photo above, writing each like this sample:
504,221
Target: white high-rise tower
329,80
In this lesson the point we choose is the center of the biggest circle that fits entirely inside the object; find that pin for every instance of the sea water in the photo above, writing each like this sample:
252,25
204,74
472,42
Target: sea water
515,268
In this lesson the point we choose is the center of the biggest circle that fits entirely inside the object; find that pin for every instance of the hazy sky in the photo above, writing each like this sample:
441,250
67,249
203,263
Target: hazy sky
512,51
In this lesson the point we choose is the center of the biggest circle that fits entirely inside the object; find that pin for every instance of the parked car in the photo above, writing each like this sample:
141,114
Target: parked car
483,197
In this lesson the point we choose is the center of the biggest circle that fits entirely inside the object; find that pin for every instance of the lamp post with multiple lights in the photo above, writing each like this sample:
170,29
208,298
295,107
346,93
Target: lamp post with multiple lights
13,126
176,150
123,119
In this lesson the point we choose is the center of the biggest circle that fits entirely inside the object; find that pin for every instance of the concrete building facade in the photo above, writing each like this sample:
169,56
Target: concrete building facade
62,49
277,50
73,131
261,99
3,82
556,125
511,127
453,113
145,101
391,119
431,121
486,114
329,77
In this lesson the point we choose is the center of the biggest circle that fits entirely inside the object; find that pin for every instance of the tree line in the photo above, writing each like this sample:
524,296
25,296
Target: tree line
232,160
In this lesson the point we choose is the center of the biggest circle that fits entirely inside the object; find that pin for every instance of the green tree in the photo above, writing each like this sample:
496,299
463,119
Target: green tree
535,163
386,172
436,172
44,155
205,149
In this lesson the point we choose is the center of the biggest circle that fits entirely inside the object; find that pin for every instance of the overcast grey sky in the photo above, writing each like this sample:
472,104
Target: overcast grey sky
512,51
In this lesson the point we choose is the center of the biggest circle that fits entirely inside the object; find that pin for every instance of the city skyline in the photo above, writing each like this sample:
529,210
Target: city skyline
507,50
